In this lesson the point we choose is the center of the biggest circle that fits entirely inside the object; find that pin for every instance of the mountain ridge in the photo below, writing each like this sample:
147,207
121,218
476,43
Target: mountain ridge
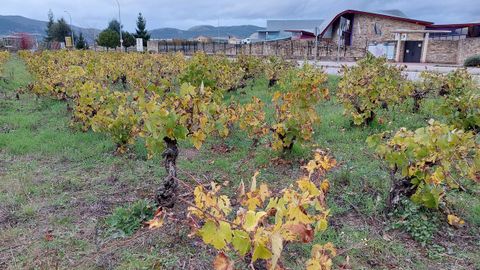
20,24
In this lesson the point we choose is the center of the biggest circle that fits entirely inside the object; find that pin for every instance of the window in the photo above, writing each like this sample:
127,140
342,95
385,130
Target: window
377,30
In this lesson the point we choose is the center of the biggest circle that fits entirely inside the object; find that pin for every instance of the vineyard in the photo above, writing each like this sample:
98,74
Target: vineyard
143,161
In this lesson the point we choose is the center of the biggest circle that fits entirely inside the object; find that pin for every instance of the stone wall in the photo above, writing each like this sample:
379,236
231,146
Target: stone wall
468,47
442,51
292,49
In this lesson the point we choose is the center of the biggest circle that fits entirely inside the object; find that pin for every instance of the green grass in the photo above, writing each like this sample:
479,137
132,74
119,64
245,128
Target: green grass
54,178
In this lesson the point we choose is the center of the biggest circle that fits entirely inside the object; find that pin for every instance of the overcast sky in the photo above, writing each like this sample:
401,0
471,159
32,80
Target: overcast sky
184,14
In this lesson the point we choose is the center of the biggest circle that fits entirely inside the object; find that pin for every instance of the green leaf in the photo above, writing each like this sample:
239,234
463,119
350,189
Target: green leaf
219,236
241,242
261,252
208,232
180,132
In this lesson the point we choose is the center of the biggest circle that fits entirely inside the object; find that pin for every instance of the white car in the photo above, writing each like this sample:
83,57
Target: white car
246,41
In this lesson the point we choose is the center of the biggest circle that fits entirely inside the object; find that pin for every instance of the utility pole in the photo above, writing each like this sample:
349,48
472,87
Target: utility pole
71,27
120,21
316,44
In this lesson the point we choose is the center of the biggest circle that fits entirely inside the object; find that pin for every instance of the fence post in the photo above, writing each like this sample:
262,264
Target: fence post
291,46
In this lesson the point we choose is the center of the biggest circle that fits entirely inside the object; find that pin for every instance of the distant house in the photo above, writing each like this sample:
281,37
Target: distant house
287,29
234,40
400,38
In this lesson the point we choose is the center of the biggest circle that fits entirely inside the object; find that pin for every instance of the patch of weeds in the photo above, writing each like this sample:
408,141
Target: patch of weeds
149,260
28,211
124,221
420,223
435,252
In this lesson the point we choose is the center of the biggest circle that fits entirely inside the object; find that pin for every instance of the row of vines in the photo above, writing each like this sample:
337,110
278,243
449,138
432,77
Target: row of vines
164,99
4,56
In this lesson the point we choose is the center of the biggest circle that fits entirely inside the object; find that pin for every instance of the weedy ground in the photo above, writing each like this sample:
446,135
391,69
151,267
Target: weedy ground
59,188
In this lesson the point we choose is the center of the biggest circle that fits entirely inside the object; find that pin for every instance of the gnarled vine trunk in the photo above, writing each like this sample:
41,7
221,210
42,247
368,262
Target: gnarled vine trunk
166,193
400,189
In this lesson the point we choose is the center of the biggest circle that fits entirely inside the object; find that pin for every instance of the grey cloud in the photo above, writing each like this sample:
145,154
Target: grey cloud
184,14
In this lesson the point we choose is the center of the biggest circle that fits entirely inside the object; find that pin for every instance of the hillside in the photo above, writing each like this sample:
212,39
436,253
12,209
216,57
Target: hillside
14,24
11,24
240,31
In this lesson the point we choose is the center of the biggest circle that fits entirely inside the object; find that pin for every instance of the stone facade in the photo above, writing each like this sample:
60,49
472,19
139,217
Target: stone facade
442,51
468,47
364,29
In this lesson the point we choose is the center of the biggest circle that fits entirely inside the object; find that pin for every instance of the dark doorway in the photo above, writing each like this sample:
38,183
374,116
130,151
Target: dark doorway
413,51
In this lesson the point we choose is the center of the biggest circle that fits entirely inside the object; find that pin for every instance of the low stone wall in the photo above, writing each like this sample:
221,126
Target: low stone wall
442,51
291,49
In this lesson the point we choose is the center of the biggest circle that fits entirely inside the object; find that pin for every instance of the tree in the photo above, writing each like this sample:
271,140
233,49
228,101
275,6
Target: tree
114,25
108,38
50,24
60,30
141,29
128,39
81,44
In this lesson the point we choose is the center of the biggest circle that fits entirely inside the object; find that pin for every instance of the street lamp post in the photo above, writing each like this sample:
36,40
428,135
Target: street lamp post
120,30
71,27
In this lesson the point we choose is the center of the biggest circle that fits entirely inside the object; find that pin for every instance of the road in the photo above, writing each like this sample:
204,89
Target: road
412,70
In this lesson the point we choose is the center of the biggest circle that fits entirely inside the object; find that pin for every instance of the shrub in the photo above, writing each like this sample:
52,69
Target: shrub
430,160
371,85
472,61
462,109
295,108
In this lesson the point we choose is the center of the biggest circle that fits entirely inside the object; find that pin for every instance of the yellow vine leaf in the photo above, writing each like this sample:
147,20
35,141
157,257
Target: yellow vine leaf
311,166
277,247
306,185
219,236
157,220
253,186
325,185
261,252
252,219
455,221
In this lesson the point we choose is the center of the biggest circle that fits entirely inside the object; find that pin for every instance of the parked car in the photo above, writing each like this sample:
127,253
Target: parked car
246,41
